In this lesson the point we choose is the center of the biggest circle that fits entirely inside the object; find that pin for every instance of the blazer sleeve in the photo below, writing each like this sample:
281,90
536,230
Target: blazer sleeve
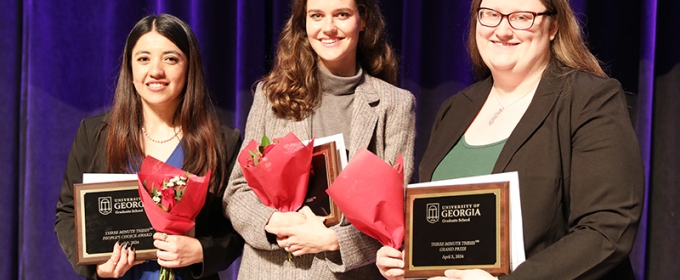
604,188
356,248
400,131
241,205
220,243
79,159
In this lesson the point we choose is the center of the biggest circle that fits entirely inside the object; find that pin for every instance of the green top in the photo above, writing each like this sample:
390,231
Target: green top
466,160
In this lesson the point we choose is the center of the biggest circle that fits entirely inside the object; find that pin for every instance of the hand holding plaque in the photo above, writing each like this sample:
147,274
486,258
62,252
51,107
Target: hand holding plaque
466,223
106,211
370,194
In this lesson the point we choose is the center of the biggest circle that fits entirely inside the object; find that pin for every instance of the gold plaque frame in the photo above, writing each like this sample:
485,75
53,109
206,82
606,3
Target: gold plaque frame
81,222
502,242
331,163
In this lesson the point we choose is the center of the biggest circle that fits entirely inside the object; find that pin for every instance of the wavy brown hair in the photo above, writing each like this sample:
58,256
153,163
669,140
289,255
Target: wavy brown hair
568,50
196,114
292,86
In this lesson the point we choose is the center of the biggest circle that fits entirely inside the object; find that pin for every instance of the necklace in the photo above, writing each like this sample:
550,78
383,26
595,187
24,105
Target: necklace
498,113
160,141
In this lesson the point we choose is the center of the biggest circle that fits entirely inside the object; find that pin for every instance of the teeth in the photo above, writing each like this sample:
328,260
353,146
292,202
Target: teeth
156,85
505,44
329,41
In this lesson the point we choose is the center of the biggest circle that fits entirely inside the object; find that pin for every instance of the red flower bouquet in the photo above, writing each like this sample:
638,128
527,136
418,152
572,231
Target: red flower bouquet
172,198
278,172
370,193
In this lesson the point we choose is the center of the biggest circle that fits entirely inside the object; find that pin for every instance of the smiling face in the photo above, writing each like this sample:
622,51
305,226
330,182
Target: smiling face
159,70
333,28
504,49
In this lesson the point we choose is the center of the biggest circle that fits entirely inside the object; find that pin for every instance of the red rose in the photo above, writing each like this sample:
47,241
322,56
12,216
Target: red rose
267,149
168,199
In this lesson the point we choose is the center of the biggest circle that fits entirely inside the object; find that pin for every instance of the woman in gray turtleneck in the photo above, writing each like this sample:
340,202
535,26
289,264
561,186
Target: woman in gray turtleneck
334,73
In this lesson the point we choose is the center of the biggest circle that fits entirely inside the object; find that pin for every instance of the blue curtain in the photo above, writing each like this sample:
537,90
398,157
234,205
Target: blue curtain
59,62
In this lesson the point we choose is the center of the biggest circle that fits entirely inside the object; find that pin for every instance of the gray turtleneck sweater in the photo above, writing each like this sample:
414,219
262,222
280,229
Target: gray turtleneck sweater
334,114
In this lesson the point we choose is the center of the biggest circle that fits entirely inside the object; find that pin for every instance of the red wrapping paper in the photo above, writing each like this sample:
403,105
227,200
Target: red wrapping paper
280,178
370,194
181,218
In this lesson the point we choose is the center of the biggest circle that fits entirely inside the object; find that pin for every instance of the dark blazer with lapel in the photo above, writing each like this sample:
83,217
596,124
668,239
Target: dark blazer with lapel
221,244
383,121
580,173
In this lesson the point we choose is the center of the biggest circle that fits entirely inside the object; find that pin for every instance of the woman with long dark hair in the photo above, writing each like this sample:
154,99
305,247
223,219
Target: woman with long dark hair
161,108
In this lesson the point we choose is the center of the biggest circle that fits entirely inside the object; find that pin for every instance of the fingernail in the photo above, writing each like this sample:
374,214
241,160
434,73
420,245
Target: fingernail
132,247
126,245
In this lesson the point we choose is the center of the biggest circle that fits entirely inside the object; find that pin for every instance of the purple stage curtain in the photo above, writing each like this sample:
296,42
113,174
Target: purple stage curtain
59,62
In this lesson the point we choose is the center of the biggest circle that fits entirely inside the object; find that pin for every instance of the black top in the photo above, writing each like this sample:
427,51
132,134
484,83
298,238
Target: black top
221,244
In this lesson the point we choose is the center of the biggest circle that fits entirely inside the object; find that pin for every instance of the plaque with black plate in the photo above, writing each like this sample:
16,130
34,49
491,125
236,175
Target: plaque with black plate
457,227
325,168
106,213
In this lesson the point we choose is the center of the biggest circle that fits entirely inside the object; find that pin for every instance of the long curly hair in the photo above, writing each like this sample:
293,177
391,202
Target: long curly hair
292,86
568,50
196,113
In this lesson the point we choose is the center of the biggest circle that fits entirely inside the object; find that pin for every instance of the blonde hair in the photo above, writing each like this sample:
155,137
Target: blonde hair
568,49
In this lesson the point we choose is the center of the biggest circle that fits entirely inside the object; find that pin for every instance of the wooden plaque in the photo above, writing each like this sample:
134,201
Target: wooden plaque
457,227
106,213
325,168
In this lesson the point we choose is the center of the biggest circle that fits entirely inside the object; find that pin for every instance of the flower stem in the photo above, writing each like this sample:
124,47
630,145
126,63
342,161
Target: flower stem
289,256
166,274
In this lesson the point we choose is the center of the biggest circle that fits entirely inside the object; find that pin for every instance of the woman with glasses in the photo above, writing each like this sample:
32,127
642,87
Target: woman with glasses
543,107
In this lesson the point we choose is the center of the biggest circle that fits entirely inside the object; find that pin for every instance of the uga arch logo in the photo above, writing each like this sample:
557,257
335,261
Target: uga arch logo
105,205
432,212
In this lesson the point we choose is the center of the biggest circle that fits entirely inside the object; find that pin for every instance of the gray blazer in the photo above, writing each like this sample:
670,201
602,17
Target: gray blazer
383,121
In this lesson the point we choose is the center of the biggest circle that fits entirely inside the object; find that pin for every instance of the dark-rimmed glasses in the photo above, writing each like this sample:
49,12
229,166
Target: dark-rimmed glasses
521,20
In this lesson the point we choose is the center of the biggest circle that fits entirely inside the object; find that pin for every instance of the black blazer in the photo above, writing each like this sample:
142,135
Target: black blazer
580,173
221,244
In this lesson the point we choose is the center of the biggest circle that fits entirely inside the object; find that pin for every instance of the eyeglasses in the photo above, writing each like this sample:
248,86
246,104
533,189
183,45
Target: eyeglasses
518,20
